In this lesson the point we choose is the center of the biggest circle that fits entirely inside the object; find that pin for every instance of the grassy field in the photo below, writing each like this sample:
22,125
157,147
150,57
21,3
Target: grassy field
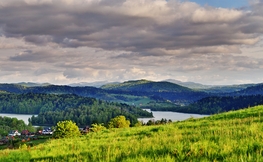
232,136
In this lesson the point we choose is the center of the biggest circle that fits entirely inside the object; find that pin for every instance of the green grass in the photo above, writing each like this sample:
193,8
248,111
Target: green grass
232,136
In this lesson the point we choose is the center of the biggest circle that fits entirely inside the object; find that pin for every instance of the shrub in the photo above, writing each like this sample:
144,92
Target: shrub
119,122
66,129
97,127
138,124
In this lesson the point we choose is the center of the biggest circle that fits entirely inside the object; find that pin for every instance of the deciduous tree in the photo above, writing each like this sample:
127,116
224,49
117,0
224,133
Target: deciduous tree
66,129
119,122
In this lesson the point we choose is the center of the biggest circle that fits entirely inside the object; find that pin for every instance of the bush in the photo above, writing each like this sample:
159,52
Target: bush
119,122
66,129
97,127
138,124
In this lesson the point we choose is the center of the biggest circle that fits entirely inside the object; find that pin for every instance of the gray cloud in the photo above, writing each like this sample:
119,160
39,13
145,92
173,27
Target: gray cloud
67,41
128,25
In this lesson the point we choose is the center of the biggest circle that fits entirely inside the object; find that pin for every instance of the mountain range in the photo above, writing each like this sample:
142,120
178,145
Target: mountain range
161,95
171,90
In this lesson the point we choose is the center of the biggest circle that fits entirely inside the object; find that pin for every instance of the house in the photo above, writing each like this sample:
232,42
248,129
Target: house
47,130
14,133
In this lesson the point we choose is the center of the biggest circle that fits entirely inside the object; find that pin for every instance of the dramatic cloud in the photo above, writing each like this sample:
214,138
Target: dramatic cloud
131,25
89,40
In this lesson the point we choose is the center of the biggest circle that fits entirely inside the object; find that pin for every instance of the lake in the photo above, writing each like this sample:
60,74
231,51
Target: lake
174,116
24,117
158,115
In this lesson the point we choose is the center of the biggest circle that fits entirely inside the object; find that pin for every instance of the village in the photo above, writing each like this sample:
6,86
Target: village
15,138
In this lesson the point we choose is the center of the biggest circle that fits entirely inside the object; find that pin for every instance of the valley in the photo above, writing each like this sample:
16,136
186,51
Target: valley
237,119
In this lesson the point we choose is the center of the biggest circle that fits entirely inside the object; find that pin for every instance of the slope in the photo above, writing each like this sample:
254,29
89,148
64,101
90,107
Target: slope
147,86
232,136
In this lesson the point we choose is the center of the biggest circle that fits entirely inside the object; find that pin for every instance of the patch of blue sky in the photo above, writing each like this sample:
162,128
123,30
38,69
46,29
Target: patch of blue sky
222,3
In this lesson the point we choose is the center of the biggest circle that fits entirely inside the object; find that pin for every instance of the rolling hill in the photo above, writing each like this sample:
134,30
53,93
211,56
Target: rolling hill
140,91
147,86
144,93
211,88
251,90
232,136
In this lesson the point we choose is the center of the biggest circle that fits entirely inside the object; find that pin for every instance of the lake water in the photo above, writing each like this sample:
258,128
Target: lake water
24,117
174,116
158,115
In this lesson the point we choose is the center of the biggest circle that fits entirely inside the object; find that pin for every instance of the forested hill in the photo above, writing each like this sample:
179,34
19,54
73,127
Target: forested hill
66,106
147,86
240,90
133,91
213,105
140,92
14,88
252,90
157,91
57,89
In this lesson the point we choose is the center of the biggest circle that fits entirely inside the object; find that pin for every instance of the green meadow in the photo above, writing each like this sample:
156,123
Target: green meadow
231,136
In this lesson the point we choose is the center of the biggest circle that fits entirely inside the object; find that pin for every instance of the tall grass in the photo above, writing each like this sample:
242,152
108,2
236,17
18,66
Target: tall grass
232,136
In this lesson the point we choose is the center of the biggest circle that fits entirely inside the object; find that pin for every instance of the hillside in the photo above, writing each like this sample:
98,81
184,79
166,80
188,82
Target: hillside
211,88
31,84
227,88
156,91
213,105
191,85
232,136
14,88
251,90
59,89
52,108
154,95
131,92
92,84
147,86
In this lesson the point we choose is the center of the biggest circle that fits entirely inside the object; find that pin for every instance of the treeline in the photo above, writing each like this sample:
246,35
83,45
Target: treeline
213,105
162,90
7,124
52,108
87,115
31,103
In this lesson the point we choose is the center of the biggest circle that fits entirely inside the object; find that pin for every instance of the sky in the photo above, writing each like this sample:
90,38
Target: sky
222,3
215,42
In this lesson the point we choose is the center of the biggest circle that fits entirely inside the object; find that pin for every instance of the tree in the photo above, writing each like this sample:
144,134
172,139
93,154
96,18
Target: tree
119,122
66,129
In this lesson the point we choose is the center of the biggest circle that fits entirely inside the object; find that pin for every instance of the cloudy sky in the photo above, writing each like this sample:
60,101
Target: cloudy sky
70,41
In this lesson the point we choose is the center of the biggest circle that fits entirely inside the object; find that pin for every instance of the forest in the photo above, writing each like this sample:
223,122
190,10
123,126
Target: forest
86,105
87,115
211,105
51,108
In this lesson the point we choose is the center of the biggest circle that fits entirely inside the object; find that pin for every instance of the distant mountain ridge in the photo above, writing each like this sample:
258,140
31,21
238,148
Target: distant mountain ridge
252,90
191,85
32,84
92,84
212,88
139,92
147,86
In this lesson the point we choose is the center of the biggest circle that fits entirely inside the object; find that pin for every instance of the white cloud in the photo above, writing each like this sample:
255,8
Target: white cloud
218,15
67,41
